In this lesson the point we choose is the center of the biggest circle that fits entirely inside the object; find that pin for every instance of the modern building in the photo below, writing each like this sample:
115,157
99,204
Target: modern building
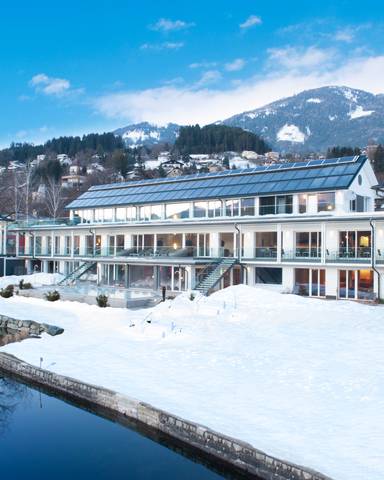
310,226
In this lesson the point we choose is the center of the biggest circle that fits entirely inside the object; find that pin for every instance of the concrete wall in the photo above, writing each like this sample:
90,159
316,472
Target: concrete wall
226,449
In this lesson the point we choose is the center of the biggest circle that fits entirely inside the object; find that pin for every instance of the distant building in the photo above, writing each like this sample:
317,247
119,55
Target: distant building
72,181
64,159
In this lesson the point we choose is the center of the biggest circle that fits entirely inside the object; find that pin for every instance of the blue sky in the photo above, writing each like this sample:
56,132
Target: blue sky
79,66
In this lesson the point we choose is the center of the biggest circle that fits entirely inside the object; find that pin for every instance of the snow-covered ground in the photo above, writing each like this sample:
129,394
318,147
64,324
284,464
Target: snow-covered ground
302,379
36,279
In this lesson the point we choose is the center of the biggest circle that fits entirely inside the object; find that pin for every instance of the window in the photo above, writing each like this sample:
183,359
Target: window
214,209
200,209
325,202
49,246
145,213
354,244
282,204
303,198
38,243
310,282
108,214
67,245
267,206
247,207
131,213
156,212
57,245
121,214
232,208
176,211
356,284
308,244
76,245
266,245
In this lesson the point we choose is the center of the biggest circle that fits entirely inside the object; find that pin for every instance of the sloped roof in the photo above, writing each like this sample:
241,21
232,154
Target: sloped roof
314,175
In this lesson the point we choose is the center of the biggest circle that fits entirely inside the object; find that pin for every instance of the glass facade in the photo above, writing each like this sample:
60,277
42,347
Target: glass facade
326,202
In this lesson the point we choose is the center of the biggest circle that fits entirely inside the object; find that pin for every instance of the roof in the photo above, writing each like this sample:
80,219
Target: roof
313,175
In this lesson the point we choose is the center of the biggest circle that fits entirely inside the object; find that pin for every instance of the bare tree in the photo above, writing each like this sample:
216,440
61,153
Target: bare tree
54,197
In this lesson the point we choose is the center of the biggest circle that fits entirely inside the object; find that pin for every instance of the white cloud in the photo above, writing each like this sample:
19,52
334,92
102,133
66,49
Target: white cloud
345,35
236,65
299,58
251,21
162,46
203,65
167,25
50,85
207,78
192,104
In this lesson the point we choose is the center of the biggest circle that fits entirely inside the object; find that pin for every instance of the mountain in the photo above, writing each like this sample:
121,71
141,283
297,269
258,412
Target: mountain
145,133
317,119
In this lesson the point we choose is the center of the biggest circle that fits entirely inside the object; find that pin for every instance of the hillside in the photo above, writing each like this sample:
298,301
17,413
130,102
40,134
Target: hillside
316,119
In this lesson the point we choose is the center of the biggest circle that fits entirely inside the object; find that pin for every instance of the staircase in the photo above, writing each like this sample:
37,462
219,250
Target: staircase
77,273
215,275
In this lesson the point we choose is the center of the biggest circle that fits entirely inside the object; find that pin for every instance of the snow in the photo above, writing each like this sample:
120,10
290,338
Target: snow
349,94
332,117
290,133
314,100
360,112
299,378
36,279
139,135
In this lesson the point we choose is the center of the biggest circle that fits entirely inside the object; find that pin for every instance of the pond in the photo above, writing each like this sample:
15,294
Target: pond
45,438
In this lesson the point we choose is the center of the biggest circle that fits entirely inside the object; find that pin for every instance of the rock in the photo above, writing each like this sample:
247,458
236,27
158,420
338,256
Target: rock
52,329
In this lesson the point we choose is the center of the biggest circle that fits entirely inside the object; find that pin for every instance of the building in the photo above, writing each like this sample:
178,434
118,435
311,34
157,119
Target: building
309,226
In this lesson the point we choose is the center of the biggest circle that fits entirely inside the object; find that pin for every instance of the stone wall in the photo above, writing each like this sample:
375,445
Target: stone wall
28,326
228,450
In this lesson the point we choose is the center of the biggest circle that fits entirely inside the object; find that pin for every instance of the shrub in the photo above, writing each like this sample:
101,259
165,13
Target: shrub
24,285
52,296
7,292
102,300
192,296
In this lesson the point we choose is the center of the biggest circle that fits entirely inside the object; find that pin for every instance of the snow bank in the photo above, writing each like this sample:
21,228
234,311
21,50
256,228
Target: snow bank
299,378
37,279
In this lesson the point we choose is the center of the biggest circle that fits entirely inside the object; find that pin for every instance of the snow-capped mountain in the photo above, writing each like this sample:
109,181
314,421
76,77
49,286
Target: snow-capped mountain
317,119
148,134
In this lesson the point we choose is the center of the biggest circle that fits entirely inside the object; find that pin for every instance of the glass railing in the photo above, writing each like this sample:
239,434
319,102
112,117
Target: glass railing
302,254
345,254
35,222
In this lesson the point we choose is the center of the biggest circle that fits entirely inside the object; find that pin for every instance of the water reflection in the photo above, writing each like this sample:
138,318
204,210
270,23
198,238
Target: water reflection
60,441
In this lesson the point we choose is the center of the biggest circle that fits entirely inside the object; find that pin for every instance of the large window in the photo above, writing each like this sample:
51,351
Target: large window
141,276
310,282
356,284
325,202
176,211
266,245
281,204
354,244
200,209
303,199
308,244
214,208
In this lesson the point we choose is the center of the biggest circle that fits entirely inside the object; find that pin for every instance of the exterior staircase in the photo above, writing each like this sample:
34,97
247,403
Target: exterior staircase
77,273
215,275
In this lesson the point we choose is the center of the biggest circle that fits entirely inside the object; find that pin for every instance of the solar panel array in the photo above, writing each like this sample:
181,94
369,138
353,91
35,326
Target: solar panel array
314,175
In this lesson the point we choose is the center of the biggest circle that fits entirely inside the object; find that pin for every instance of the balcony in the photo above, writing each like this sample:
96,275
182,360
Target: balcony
302,254
350,255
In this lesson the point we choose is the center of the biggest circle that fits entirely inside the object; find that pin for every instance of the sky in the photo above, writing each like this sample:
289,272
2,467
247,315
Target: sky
83,66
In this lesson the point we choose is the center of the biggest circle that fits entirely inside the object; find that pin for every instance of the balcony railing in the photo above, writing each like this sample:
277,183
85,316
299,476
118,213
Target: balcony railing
302,254
36,222
350,255
261,253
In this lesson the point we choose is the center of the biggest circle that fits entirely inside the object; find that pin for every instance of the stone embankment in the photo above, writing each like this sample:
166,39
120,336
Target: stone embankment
28,327
228,451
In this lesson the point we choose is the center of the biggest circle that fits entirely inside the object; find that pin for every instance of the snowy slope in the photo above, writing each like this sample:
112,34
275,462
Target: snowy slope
301,379
317,119
148,134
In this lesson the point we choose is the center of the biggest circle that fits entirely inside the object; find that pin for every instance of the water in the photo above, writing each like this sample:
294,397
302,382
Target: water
45,438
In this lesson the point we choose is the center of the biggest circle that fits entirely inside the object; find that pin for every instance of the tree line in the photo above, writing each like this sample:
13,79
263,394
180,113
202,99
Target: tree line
194,139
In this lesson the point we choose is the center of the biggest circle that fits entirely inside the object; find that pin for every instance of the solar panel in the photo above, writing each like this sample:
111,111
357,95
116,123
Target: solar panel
278,178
